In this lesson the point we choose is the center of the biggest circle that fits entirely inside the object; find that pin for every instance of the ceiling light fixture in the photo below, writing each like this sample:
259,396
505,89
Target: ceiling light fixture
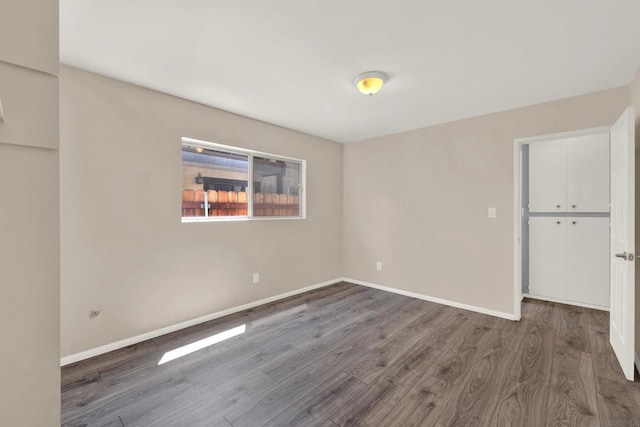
370,82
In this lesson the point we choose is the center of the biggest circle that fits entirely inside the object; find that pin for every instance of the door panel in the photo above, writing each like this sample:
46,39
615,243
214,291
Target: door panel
588,260
547,266
622,305
588,173
547,176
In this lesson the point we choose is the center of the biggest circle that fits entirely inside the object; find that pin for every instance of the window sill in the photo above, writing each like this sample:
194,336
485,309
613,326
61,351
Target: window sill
237,219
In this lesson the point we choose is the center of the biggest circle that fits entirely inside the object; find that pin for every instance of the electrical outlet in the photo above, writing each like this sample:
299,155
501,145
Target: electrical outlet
93,314
379,266
491,212
256,278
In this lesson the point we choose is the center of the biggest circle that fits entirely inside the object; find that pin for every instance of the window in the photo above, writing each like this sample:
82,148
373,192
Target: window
221,182
276,187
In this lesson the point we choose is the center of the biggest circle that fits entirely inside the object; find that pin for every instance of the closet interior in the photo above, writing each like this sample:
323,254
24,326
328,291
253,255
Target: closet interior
565,207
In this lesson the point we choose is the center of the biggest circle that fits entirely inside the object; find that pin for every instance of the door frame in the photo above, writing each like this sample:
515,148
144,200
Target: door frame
517,203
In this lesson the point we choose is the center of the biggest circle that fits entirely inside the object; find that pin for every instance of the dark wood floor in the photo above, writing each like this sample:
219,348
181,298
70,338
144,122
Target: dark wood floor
349,355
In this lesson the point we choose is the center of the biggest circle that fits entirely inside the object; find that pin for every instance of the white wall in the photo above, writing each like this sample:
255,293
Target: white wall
417,201
29,215
124,249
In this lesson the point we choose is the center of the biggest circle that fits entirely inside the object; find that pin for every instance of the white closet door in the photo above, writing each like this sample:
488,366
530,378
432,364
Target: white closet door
547,257
547,176
588,173
588,260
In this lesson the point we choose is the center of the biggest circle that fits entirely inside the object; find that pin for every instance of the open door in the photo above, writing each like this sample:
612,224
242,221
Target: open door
622,306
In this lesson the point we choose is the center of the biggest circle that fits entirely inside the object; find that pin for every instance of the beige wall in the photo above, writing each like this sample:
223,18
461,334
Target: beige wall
29,290
29,215
29,34
634,90
124,249
417,201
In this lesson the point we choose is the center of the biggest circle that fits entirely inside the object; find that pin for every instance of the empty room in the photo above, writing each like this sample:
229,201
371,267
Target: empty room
319,213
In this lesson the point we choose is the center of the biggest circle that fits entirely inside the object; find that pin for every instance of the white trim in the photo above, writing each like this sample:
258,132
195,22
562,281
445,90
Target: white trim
302,197
249,189
474,308
236,150
560,135
73,358
198,219
517,227
562,301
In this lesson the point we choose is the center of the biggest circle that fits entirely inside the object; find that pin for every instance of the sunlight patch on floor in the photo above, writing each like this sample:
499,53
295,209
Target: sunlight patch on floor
203,343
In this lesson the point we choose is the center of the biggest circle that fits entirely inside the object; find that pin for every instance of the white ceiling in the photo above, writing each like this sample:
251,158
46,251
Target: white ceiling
292,62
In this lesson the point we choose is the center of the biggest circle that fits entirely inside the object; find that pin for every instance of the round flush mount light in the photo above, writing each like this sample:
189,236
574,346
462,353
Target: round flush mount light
370,82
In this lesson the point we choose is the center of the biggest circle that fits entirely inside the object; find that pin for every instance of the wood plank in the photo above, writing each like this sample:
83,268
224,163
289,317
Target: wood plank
511,326
393,325
112,359
201,402
618,402
399,346
370,406
459,355
596,318
407,368
115,422
316,408
572,329
79,379
422,404
446,326
473,401
267,406
347,335
572,395
100,407
542,312
523,401
605,363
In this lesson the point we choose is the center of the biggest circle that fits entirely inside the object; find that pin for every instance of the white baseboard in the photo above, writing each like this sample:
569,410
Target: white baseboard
561,301
73,358
474,308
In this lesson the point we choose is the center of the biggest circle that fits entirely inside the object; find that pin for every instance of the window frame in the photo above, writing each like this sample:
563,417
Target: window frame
197,143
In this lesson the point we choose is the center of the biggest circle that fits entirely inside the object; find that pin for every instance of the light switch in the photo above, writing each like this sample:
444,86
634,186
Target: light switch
491,212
